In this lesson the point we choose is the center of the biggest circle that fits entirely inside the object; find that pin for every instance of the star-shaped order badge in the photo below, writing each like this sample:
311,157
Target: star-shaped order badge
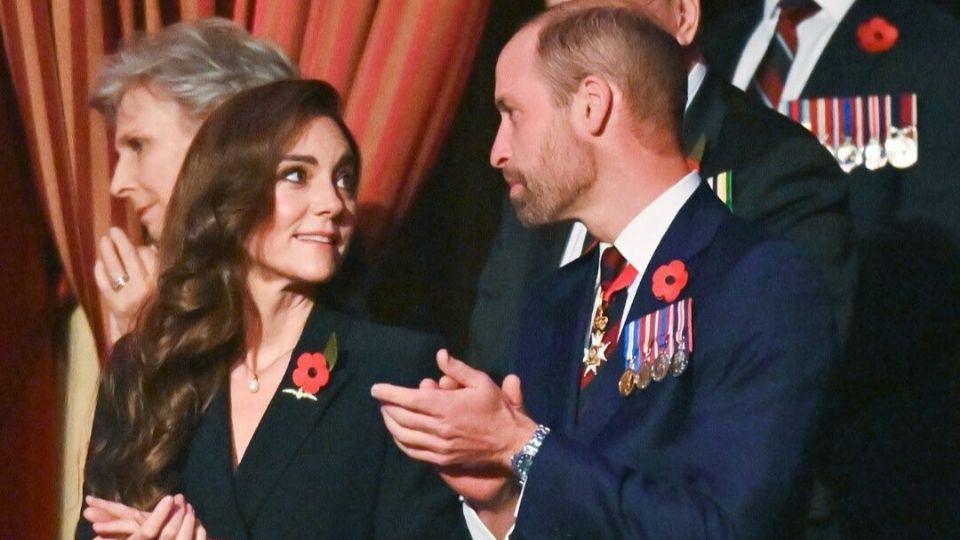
313,371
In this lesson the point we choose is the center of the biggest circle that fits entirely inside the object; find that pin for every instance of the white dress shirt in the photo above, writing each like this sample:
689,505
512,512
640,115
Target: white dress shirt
637,243
813,34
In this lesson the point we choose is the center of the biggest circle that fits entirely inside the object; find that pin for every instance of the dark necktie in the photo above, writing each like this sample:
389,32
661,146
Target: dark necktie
616,275
772,72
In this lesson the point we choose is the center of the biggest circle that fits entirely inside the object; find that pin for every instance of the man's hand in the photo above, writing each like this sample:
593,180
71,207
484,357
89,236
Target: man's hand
464,423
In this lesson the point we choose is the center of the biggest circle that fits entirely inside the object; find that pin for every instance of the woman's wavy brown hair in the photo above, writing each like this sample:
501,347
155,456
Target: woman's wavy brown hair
166,372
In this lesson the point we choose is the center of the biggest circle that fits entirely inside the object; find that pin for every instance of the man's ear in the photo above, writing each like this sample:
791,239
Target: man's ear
687,17
592,105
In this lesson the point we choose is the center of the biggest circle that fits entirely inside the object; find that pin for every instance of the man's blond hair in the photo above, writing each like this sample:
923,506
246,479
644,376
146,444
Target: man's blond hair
614,40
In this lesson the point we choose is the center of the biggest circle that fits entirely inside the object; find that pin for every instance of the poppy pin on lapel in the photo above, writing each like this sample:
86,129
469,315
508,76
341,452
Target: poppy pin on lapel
313,371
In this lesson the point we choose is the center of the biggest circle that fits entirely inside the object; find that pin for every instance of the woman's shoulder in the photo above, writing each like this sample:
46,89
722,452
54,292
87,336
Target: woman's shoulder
386,352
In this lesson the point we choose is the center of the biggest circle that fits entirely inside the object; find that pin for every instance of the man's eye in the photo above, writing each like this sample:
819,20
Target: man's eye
294,174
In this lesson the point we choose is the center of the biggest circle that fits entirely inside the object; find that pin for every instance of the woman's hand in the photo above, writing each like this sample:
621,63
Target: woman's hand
125,275
171,518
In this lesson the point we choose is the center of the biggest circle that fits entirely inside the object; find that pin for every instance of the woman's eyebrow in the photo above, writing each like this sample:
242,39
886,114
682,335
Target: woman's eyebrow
301,158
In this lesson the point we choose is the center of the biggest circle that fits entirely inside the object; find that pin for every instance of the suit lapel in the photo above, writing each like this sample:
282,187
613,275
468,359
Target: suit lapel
690,232
288,421
557,374
842,60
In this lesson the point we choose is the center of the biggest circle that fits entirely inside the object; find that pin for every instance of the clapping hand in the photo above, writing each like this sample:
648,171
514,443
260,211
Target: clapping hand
172,517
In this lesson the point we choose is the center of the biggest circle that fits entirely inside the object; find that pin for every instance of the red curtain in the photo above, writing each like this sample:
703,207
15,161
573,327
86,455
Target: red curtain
400,64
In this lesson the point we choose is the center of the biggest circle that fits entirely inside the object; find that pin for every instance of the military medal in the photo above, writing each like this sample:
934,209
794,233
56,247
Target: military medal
902,145
849,155
834,126
874,156
683,337
631,357
656,345
661,363
820,122
644,375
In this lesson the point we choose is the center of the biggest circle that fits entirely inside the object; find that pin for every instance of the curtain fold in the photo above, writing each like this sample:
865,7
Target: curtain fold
400,65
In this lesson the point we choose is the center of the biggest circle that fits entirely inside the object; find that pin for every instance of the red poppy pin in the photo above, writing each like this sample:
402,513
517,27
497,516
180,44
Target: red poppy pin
669,280
877,34
313,371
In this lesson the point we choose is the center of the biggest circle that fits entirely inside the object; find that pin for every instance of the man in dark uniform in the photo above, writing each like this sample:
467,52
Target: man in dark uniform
895,452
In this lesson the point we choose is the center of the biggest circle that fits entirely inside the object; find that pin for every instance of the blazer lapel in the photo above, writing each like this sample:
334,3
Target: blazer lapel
208,480
288,421
690,232
556,375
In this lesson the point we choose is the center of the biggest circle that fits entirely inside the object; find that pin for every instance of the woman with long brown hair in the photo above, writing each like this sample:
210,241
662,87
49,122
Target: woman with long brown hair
241,399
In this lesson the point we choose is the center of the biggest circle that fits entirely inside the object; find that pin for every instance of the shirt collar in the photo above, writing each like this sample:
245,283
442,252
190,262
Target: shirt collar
695,79
640,238
836,8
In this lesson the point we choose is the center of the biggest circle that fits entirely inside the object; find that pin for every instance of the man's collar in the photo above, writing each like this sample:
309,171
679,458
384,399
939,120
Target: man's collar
836,8
640,238
695,77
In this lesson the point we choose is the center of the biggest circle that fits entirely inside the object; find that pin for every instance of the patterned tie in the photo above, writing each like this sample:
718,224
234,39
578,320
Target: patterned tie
772,72
616,275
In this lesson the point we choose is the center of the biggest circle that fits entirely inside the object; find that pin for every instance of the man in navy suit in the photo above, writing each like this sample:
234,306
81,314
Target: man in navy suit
717,445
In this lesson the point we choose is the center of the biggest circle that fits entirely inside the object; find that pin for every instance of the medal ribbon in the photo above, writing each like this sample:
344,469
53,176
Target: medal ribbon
858,106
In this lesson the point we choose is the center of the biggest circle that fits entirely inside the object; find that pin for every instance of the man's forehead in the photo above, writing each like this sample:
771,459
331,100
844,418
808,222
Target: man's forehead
517,55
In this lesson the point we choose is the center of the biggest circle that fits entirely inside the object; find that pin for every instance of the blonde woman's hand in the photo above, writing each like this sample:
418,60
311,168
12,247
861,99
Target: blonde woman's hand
126,275
172,518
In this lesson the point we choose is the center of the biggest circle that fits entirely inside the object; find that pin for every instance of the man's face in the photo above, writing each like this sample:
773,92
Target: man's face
545,166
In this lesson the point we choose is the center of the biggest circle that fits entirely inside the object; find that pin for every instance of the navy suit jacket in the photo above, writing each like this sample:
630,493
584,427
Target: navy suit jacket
325,468
720,451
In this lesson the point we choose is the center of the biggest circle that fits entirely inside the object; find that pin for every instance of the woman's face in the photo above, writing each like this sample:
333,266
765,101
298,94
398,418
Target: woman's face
152,138
314,208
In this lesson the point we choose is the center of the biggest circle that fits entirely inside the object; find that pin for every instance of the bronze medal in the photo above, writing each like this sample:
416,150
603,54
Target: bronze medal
643,377
627,383
661,366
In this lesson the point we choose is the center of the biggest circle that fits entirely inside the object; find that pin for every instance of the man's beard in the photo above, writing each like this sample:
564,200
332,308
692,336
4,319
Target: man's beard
564,171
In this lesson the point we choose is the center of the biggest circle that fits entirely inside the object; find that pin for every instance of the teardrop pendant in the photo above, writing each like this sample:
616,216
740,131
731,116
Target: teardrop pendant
253,383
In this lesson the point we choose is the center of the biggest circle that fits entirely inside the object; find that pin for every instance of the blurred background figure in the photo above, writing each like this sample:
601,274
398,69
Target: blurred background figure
155,93
874,78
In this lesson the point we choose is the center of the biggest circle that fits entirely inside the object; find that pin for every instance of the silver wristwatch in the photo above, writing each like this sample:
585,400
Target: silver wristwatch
522,460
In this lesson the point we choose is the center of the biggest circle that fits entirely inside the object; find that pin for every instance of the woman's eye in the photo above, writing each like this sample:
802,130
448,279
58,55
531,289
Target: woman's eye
346,180
295,174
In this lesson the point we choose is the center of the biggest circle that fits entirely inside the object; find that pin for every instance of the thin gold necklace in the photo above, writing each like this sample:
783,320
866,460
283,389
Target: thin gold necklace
253,378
